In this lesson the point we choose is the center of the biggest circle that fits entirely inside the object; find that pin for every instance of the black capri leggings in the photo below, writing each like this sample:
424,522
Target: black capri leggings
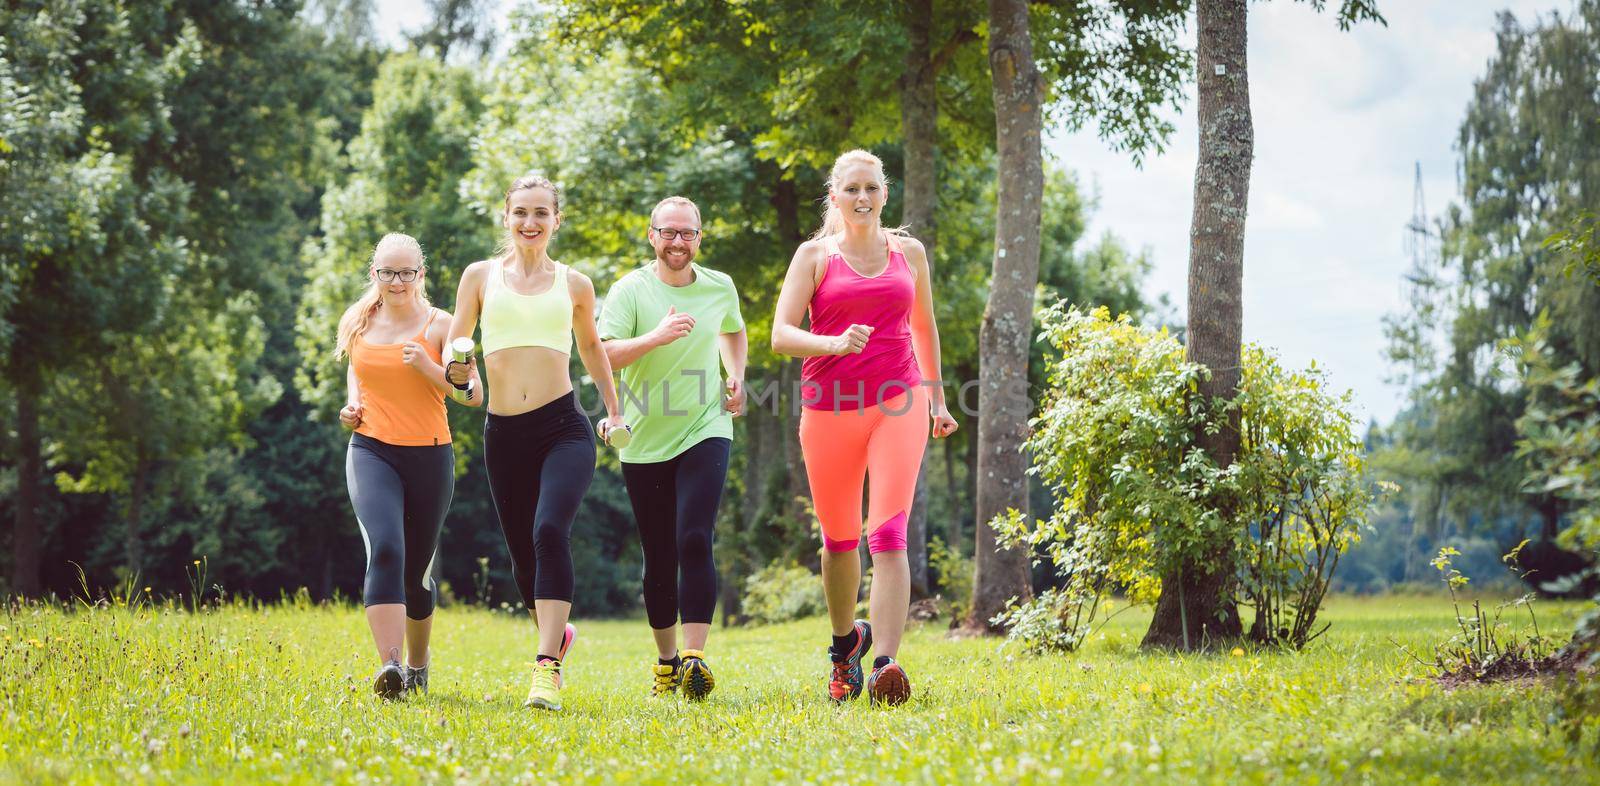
400,493
675,505
540,464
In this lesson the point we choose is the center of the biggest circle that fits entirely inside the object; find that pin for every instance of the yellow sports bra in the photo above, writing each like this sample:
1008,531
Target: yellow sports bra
512,319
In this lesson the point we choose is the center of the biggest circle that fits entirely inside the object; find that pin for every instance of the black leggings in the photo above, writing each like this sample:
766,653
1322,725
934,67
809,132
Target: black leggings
675,505
400,493
540,464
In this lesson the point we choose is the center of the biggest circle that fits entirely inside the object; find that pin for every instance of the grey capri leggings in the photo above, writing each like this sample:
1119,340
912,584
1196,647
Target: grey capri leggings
401,494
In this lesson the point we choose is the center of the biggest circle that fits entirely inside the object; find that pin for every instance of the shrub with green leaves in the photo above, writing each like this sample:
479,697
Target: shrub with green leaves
1136,495
1056,620
1302,492
780,592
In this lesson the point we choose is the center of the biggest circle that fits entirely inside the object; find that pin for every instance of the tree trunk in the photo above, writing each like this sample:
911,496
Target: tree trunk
786,205
969,487
1008,318
1196,606
919,120
25,536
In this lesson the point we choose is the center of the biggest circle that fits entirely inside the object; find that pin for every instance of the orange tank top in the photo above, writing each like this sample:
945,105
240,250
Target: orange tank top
398,406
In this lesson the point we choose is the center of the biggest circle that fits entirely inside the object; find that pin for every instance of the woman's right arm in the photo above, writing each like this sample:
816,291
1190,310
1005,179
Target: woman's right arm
799,284
469,300
350,416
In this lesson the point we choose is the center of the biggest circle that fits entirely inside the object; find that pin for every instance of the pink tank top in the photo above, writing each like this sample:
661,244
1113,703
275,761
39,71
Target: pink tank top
888,366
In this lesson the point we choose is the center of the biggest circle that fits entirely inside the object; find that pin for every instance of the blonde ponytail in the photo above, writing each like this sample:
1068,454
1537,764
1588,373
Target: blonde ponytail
358,316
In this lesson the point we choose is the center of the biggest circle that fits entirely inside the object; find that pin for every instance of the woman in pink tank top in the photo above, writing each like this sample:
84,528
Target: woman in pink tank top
871,394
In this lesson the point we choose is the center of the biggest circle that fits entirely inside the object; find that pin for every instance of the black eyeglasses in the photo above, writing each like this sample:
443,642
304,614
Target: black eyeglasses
406,276
668,233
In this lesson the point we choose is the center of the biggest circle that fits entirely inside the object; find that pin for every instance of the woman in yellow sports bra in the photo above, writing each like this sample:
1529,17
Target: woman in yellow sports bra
537,445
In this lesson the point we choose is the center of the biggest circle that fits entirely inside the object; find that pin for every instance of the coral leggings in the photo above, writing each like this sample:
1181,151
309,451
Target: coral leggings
880,444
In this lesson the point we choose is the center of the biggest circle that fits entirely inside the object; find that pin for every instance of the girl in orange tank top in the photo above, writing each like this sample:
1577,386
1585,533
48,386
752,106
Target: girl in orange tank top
399,467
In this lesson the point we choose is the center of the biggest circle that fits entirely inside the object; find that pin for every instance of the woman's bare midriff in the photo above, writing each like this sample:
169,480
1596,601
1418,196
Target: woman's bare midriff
523,379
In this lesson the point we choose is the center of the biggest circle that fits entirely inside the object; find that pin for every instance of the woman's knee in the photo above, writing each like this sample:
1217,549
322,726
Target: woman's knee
549,535
386,558
694,544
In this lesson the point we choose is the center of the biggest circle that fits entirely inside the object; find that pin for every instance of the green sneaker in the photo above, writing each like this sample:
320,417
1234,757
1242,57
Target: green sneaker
697,679
545,690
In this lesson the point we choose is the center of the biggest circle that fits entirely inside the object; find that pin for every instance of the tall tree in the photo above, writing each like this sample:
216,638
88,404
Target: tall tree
1196,605
1116,64
461,26
182,180
1528,168
1002,574
70,216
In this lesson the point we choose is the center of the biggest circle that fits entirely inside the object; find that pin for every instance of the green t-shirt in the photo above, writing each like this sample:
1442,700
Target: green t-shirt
672,397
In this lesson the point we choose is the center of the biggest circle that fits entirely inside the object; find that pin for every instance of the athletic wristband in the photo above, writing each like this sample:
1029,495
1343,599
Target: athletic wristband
447,366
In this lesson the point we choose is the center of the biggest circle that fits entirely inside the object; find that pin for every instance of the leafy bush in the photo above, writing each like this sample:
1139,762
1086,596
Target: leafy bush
1136,496
1302,483
1057,620
780,592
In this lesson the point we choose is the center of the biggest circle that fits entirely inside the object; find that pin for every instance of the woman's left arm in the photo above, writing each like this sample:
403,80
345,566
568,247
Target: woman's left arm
590,349
925,337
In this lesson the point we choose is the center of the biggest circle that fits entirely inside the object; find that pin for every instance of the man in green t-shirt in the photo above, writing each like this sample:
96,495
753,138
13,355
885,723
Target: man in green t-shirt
665,327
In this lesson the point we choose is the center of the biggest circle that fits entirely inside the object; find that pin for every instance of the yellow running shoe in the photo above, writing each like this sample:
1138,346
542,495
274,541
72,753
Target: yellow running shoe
697,679
667,677
545,692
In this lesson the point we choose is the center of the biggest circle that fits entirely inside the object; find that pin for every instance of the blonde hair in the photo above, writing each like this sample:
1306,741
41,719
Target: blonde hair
359,315
832,219
530,180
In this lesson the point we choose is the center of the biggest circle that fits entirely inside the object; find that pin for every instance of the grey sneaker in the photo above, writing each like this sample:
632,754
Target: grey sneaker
390,681
416,679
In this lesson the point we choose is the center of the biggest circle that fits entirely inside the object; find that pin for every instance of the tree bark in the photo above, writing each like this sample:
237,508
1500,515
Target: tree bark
25,535
1008,318
919,120
786,204
1196,607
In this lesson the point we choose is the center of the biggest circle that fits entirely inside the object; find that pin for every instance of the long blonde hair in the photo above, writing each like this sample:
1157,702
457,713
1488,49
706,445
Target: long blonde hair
832,219
359,315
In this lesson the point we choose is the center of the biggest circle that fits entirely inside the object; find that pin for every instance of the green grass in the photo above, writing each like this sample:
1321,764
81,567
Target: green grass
282,695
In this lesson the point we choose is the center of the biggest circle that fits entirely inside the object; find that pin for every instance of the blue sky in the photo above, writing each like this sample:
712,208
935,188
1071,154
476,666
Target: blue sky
1341,119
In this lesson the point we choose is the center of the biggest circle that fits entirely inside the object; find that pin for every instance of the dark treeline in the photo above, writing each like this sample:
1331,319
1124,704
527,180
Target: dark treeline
190,192
182,231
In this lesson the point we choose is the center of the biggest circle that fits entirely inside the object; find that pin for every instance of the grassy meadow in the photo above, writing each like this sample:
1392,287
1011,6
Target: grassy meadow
282,694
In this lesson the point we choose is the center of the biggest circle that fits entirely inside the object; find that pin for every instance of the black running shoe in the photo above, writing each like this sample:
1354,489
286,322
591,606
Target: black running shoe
390,682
